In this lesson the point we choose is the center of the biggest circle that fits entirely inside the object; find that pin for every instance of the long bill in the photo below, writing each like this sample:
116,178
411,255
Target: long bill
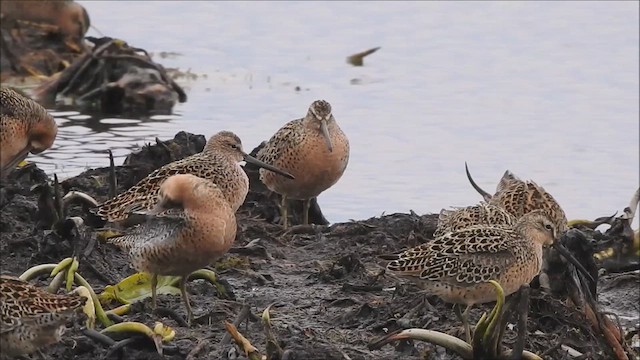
567,254
485,195
325,134
250,159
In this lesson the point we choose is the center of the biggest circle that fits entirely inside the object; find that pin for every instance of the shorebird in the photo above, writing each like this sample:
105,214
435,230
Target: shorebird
313,149
70,18
519,197
218,162
458,265
25,127
32,318
480,214
191,225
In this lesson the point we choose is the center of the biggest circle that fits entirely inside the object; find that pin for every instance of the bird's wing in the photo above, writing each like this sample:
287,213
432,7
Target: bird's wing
162,228
283,139
468,256
143,195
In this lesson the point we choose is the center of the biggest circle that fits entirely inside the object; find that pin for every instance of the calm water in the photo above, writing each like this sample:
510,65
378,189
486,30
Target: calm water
548,90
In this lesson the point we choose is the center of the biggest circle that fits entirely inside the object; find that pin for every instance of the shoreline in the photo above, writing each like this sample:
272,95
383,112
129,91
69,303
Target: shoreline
331,296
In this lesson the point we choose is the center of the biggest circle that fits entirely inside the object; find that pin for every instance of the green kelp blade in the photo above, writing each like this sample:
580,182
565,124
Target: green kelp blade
138,287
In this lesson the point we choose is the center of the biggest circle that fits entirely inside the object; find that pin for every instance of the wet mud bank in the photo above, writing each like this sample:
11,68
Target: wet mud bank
328,294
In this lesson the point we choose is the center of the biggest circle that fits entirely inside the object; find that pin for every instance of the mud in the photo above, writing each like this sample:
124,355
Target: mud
328,292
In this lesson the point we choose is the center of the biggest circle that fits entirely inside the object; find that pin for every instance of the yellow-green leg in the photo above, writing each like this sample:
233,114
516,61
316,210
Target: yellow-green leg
283,211
185,298
154,285
305,211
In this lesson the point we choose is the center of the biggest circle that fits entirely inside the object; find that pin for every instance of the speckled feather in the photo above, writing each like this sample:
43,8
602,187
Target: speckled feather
457,265
519,197
180,241
32,318
480,214
300,149
217,162
24,126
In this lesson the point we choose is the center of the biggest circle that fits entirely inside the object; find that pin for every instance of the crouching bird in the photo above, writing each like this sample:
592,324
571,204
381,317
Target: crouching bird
32,318
25,126
458,265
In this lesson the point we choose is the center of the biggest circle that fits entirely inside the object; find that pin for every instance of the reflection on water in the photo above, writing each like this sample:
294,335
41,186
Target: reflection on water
548,90
83,139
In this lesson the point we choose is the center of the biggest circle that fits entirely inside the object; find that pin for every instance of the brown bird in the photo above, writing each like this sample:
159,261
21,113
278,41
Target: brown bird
458,265
32,318
191,226
519,197
358,59
313,149
479,214
25,127
71,18
218,162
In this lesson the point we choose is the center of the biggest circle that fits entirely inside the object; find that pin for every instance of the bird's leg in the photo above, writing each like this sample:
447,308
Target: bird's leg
456,310
154,284
523,309
305,211
465,319
283,211
185,298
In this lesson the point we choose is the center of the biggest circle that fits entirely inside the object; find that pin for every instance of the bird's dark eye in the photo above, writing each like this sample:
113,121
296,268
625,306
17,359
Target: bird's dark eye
234,146
548,227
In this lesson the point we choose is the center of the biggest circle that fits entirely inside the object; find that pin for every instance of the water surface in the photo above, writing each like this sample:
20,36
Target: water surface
548,90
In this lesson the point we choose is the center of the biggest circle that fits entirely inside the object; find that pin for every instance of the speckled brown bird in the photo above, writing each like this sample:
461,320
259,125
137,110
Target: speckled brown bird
519,197
481,214
218,162
458,265
191,226
32,318
25,127
313,149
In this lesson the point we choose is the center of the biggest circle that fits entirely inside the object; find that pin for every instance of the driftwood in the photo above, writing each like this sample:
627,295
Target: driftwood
114,77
